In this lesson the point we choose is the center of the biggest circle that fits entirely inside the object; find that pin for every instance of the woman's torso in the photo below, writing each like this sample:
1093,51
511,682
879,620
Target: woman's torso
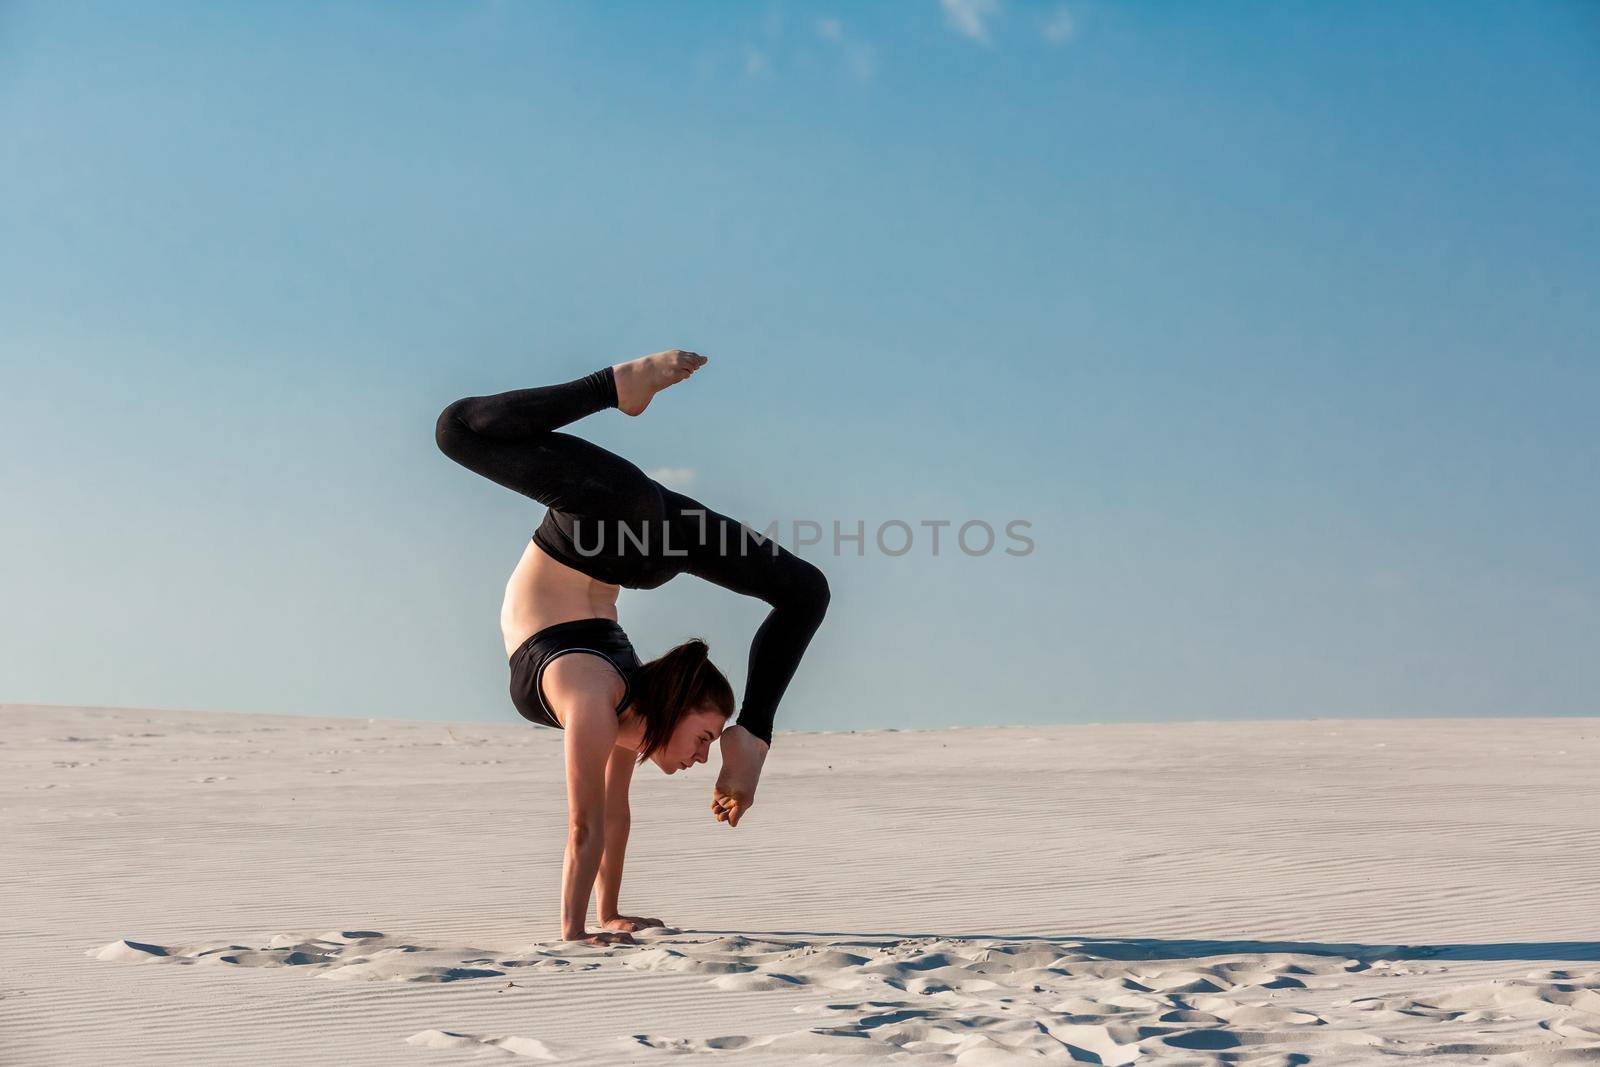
643,551
549,611
542,592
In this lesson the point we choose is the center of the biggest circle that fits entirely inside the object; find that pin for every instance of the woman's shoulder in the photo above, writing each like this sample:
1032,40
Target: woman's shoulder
578,678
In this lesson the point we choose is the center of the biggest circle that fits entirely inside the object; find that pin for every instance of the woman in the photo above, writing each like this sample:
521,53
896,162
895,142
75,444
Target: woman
610,526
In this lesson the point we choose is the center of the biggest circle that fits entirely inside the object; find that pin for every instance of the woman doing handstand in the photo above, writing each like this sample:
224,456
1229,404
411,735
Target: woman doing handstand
609,527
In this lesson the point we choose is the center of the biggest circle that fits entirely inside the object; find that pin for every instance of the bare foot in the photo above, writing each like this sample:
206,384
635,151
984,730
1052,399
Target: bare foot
743,753
639,380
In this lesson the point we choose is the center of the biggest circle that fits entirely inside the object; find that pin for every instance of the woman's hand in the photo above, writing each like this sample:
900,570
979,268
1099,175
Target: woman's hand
603,938
629,923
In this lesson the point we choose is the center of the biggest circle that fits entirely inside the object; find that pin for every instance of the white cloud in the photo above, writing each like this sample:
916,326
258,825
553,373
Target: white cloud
674,477
1059,27
830,29
756,64
969,17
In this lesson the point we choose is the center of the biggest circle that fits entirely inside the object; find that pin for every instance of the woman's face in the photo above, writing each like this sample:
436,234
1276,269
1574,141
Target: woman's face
691,741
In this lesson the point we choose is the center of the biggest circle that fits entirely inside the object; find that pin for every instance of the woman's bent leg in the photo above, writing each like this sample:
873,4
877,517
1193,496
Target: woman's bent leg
510,439
730,555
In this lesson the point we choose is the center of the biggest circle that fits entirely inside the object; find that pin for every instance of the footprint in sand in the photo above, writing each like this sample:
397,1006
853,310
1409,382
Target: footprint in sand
973,1002
530,1047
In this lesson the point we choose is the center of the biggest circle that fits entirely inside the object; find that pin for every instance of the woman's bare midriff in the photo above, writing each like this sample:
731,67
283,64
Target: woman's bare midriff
542,592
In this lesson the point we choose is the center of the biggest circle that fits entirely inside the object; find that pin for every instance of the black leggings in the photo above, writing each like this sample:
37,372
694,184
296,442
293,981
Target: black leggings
611,521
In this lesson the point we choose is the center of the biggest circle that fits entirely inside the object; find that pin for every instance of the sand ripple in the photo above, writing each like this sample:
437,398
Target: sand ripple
979,1001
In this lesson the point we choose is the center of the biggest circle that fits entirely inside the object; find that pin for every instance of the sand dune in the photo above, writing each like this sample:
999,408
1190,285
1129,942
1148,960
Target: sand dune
1264,893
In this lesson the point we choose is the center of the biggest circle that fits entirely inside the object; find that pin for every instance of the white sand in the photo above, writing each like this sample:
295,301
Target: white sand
185,887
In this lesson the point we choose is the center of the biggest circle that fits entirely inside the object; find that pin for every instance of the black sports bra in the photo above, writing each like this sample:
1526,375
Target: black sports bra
600,637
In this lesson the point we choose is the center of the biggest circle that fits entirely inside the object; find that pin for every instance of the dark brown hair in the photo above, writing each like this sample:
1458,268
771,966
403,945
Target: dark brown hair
673,684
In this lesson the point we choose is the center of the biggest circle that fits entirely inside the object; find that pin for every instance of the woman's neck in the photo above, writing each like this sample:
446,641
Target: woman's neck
630,729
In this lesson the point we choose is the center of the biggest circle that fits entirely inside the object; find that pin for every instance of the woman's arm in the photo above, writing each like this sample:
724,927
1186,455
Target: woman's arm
591,733
585,701
619,775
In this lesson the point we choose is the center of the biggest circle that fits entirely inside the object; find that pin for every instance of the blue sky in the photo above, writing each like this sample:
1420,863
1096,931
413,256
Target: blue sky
1276,321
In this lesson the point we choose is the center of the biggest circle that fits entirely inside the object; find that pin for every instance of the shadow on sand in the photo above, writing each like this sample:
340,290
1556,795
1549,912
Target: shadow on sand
1150,948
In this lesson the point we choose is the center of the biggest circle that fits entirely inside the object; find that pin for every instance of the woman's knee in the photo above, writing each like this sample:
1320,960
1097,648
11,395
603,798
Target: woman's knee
809,589
451,431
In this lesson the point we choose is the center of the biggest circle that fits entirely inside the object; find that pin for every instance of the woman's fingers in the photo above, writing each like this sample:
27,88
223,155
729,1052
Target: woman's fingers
609,937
